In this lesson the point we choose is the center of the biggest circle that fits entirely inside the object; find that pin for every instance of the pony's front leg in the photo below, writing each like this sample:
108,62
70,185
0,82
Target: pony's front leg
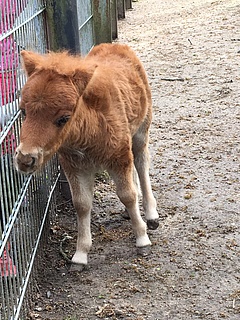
128,194
81,186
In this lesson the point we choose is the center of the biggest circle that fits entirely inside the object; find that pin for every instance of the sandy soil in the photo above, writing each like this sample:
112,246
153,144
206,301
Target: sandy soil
191,51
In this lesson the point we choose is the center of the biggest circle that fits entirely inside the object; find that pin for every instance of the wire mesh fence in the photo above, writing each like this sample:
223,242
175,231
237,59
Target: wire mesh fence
24,200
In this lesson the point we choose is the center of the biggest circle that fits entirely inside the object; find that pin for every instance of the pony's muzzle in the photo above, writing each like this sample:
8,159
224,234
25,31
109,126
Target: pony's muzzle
26,162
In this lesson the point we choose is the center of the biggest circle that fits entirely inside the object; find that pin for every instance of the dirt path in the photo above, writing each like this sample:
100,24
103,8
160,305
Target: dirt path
191,50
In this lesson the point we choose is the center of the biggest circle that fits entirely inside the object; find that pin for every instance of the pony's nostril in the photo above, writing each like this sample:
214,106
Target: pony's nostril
26,160
33,162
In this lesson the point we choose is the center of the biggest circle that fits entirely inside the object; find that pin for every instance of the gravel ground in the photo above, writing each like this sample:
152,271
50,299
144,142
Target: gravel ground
191,51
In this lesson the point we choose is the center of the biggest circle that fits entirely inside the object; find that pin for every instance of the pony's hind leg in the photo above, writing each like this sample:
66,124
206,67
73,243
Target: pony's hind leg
137,186
141,161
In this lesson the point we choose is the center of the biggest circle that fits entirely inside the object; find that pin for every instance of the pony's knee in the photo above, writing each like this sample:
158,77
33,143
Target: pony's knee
128,197
82,206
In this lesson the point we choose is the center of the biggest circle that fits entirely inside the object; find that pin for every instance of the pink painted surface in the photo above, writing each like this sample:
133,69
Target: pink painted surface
9,10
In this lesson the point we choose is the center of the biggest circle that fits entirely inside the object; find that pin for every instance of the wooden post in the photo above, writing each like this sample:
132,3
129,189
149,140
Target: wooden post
102,21
114,19
62,25
128,4
121,7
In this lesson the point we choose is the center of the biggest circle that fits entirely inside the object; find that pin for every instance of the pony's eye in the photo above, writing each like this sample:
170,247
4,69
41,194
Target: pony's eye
23,111
62,121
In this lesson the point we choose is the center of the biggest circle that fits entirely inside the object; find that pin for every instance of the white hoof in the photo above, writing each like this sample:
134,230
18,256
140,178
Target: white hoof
80,257
152,214
143,241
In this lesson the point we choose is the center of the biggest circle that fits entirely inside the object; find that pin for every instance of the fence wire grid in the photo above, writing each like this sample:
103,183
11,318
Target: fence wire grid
24,200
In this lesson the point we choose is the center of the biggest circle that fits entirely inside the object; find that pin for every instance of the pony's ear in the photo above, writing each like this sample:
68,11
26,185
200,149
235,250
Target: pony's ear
30,61
81,77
